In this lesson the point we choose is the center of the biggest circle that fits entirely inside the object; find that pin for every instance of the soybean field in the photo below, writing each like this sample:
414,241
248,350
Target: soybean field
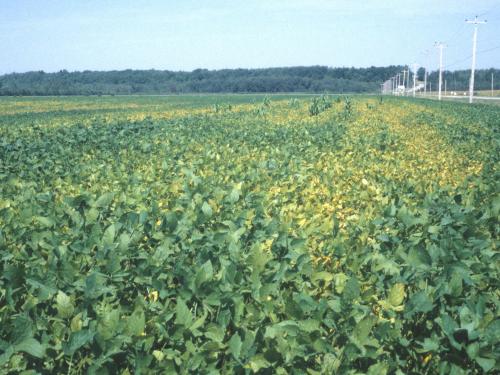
249,235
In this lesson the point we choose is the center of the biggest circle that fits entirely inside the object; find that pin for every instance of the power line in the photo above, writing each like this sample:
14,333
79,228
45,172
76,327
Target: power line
495,7
489,40
459,61
458,33
489,49
447,41
470,56
455,35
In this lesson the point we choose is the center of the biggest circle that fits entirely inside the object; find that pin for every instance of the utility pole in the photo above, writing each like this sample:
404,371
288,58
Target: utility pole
425,82
414,78
474,22
491,84
440,46
426,53
404,80
445,88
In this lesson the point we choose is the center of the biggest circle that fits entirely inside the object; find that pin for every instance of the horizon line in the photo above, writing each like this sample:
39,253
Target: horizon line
227,69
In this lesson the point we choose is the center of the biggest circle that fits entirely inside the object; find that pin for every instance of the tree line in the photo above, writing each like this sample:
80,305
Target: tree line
458,80
314,79
293,79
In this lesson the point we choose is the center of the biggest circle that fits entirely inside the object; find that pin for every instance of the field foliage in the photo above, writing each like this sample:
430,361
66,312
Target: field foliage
248,235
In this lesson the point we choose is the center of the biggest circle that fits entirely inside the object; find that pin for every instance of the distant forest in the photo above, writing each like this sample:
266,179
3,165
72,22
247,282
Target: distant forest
458,80
314,79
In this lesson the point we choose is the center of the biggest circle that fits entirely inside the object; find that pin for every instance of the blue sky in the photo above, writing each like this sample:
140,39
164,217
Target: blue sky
189,34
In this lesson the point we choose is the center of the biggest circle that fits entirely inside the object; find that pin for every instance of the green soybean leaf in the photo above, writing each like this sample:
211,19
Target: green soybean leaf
396,294
204,274
136,322
104,200
258,363
486,363
351,290
64,305
235,345
418,302
378,369
207,210
78,340
45,221
363,329
32,347
234,196
322,276
109,235
108,324
183,315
